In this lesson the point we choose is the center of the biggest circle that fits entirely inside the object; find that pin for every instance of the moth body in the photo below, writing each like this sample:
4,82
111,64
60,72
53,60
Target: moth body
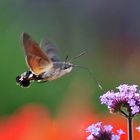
58,70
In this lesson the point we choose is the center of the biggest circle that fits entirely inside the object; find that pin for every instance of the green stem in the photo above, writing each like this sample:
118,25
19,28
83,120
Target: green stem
130,124
129,118
123,113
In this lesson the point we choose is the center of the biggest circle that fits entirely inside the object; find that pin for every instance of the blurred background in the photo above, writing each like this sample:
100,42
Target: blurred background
62,109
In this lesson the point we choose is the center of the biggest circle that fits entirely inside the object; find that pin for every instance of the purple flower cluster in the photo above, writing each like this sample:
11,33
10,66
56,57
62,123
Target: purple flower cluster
103,132
127,96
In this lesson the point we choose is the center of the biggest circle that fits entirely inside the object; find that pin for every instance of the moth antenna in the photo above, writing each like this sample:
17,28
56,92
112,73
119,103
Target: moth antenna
99,85
66,59
77,56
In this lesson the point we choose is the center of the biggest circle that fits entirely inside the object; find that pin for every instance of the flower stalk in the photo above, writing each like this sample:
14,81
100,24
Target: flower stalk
130,132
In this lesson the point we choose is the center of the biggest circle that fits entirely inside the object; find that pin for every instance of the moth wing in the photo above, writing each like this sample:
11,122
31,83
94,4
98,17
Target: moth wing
50,50
37,60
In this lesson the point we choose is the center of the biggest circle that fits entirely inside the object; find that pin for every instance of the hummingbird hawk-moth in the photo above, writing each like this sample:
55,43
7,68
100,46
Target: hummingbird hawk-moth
43,62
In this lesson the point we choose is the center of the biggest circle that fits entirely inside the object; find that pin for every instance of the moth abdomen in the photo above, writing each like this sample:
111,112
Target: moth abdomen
23,82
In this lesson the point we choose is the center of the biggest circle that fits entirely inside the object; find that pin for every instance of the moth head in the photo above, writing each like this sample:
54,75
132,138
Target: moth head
67,67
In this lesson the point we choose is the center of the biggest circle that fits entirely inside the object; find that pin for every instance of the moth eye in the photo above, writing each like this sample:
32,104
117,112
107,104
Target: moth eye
66,66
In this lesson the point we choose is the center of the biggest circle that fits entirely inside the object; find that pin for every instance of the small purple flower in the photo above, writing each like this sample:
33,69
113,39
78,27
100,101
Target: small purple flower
93,129
115,137
135,109
126,97
90,137
120,132
108,127
138,128
102,132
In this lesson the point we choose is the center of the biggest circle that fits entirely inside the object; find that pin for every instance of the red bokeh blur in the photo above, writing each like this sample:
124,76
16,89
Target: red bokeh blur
33,122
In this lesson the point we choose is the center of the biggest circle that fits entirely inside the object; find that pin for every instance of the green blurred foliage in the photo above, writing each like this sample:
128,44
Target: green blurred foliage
109,35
